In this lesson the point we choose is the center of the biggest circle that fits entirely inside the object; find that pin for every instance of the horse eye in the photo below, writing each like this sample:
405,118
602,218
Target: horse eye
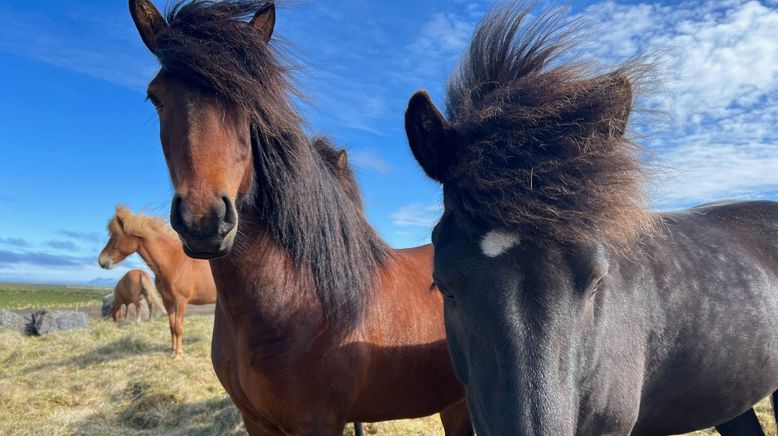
154,100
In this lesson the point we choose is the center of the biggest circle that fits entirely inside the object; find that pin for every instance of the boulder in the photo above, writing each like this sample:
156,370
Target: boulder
144,309
52,321
13,321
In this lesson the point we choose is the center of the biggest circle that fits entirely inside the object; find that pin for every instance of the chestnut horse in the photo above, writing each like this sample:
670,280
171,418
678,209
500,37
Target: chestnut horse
570,308
179,279
130,290
314,313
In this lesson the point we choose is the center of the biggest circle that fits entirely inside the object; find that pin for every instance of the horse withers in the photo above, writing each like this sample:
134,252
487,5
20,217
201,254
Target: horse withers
314,313
570,309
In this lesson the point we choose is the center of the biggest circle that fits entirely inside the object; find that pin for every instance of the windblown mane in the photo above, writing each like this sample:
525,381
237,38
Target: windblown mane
299,198
543,150
142,226
210,45
341,169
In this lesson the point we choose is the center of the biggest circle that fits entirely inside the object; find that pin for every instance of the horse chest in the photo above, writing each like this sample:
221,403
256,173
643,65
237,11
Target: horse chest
272,383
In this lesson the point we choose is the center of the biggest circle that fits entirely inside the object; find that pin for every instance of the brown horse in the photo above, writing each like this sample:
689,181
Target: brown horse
130,290
180,279
314,313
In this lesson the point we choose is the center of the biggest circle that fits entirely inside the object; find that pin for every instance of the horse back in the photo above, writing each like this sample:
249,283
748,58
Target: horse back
129,286
747,226
704,298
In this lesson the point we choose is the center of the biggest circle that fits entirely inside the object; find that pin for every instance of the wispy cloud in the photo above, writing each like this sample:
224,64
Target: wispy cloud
703,170
719,65
417,215
83,274
14,242
83,236
345,100
369,159
436,50
78,38
60,244
8,258
25,259
445,34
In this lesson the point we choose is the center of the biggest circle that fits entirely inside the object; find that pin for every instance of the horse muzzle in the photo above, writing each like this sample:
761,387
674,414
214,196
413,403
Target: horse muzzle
207,235
105,262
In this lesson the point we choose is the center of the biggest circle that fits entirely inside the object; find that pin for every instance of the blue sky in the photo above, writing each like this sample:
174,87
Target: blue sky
77,137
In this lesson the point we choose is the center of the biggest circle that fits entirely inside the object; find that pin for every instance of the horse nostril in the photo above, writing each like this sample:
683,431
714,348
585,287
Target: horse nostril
230,214
176,219
215,223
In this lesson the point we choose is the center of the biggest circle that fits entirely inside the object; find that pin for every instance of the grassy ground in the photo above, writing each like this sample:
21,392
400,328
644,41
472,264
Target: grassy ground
110,380
16,296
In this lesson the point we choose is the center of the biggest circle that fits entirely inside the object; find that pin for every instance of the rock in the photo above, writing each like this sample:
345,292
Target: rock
13,321
107,302
52,321
144,309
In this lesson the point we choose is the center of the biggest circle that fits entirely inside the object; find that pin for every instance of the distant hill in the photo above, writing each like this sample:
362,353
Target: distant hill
102,282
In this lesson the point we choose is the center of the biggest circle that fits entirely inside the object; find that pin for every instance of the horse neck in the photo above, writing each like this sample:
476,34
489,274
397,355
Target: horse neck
259,272
163,254
262,277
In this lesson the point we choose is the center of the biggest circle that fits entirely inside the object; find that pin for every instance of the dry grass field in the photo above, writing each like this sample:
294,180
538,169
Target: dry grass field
109,380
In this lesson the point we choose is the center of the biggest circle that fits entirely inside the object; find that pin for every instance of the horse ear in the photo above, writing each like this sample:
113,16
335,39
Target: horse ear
342,160
620,89
118,216
265,20
612,105
122,212
149,22
428,136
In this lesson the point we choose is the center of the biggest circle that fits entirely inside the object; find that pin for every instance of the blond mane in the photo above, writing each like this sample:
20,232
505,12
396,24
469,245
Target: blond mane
141,226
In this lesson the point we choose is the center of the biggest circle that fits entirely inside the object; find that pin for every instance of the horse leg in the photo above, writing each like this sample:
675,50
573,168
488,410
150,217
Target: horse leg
358,430
745,424
180,311
151,308
171,316
456,420
137,310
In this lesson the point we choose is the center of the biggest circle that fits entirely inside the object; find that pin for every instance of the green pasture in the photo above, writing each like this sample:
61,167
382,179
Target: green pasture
23,296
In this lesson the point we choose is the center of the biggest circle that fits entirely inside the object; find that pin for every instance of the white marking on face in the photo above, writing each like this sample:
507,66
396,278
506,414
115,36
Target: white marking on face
497,242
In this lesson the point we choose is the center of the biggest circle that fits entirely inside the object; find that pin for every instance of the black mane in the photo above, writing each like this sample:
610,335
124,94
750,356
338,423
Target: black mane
300,199
543,149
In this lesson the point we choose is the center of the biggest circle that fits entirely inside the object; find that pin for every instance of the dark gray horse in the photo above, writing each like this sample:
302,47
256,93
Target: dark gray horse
570,308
